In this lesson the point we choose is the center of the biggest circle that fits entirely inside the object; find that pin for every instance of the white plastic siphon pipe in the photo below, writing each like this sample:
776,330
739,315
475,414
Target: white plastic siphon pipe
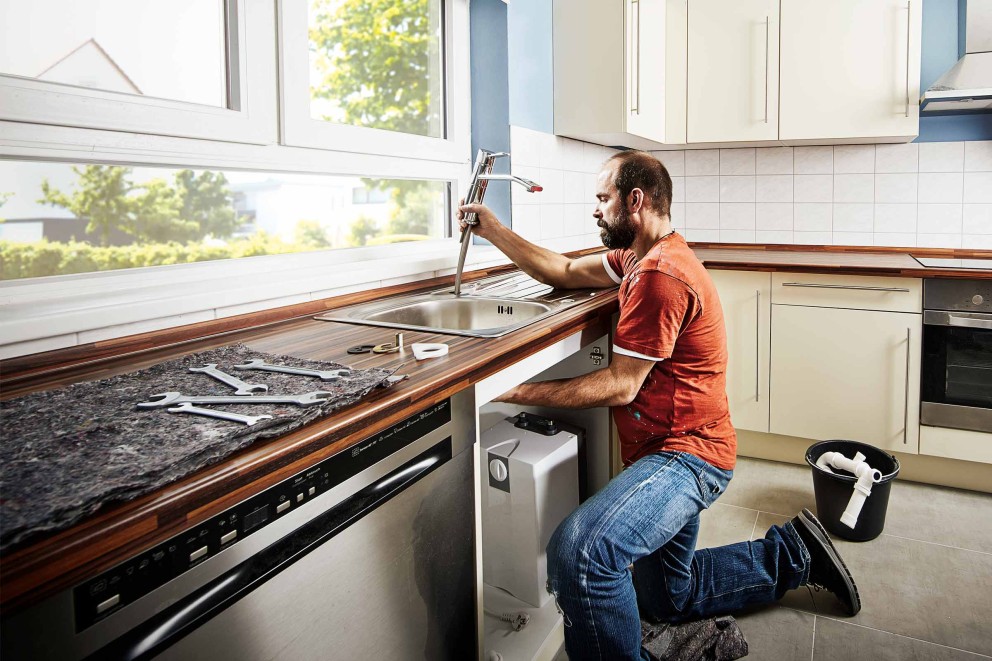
862,488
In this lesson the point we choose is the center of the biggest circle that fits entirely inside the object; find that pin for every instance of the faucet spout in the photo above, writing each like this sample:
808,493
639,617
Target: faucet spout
531,186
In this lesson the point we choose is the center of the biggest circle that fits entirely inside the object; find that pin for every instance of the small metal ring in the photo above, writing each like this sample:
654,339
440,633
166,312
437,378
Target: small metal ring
388,347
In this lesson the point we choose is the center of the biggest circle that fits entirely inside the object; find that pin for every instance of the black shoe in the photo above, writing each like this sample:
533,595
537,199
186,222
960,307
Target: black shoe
826,569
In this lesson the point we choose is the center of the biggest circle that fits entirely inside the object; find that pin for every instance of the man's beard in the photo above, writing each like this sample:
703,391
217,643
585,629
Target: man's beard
620,234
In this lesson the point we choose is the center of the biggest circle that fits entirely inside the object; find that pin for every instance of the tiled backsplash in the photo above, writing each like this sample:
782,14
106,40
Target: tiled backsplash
931,194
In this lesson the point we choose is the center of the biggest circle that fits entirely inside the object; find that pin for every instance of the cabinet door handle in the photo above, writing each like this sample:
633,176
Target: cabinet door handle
905,406
757,346
635,56
766,70
854,287
909,29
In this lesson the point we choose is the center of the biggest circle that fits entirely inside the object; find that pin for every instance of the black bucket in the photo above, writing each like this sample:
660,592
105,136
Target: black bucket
833,490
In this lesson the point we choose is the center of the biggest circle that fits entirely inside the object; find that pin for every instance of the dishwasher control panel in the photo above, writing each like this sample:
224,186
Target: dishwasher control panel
115,588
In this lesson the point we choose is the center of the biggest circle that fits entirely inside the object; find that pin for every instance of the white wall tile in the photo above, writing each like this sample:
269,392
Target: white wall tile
773,216
939,219
736,216
854,159
776,237
814,160
977,187
678,215
702,215
936,187
553,182
674,162
550,149
977,219
577,222
571,155
941,156
702,236
813,217
897,158
737,161
524,148
978,156
774,160
854,188
895,218
857,217
737,188
527,221
678,189
813,238
589,188
702,189
699,162
552,221
736,236
977,241
895,188
852,238
773,188
938,240
573,188
593,157
517,193
895,240
813,187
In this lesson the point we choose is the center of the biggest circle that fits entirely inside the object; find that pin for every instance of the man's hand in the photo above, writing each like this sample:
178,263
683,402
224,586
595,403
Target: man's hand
487,224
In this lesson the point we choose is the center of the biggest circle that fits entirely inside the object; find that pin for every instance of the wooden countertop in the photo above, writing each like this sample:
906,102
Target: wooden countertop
54,563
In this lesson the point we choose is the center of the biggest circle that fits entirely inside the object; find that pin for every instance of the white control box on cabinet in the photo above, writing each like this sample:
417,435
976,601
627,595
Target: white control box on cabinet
530,484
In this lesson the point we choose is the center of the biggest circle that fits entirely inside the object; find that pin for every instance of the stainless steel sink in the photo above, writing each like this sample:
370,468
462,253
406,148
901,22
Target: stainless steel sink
512,302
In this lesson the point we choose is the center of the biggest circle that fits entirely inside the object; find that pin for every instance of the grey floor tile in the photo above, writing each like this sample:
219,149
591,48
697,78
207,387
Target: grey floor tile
926,591
839,640
953,517
770,486
723,524
777,634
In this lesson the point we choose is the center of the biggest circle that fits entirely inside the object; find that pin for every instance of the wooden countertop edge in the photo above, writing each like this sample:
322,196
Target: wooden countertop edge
33,572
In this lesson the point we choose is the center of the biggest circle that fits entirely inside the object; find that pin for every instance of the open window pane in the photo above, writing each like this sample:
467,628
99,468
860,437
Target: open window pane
169,49
60,218
378,64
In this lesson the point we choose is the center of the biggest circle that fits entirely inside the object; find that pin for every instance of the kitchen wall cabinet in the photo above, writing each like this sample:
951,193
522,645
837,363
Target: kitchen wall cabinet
850,69
619,71
746,300
732,79
844,372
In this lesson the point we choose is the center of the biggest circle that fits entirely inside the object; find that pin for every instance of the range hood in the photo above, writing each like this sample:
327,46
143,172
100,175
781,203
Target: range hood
967,86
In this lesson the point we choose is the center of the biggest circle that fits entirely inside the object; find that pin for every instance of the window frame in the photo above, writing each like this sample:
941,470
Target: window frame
251,89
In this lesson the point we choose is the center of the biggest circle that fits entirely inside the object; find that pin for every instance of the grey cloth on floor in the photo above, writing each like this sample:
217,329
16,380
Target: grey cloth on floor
66,452
715,639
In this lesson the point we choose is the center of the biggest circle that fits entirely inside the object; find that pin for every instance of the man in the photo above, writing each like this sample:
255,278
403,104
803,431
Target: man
666,387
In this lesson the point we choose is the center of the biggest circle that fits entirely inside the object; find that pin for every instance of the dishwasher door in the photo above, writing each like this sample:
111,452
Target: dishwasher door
386,574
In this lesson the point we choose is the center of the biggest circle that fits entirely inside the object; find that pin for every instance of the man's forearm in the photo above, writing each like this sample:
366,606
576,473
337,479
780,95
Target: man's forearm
539,263
600,388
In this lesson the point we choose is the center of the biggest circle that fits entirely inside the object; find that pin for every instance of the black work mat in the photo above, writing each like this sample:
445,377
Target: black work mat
65,453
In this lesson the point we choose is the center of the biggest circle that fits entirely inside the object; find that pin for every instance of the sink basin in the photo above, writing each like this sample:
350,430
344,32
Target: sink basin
475,316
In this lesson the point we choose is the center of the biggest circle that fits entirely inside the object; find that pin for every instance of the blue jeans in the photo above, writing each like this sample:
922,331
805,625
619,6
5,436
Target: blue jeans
647,518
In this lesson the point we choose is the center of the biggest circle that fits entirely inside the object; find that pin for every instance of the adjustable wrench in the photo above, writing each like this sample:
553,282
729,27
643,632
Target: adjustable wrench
325,375
249,420
241,387
173,398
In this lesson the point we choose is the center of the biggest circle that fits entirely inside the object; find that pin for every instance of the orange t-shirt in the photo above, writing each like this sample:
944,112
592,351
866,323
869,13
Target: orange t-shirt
670,313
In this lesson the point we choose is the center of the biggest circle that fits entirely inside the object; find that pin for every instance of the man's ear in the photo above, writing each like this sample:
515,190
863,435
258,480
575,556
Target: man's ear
635,200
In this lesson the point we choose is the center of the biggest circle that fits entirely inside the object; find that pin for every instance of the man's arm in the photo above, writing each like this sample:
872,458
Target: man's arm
616,385
539,263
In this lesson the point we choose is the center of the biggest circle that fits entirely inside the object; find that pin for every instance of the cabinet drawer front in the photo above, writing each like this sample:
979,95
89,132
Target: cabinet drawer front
853,292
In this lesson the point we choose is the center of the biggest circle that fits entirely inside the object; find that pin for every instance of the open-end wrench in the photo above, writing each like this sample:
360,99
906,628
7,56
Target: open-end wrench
241,387
173,398
325,375
249,420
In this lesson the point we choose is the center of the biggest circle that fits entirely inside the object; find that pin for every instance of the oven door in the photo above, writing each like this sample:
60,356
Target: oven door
956,375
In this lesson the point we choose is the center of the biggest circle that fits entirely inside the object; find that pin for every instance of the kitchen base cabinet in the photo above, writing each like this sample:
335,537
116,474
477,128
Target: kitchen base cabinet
956,444
846,374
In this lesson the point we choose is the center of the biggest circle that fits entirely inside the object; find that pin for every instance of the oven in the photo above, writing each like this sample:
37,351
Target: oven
956,372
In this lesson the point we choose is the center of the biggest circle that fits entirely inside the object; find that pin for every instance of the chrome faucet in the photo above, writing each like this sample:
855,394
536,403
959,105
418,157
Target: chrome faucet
481,176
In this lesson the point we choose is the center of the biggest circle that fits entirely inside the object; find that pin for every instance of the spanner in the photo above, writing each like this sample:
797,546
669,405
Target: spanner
241,387
172,398
249,420
325,375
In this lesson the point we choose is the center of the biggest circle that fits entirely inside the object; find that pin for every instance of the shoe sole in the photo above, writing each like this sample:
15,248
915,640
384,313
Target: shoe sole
815,527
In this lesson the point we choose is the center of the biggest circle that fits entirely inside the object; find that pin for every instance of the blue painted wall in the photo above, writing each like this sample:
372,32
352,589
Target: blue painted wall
943,44
531,59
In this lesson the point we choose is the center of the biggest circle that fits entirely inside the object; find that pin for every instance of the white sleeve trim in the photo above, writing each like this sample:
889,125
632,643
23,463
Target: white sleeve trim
634,354
609,270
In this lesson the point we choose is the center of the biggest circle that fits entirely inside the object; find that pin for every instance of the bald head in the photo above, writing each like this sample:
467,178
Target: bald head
639,169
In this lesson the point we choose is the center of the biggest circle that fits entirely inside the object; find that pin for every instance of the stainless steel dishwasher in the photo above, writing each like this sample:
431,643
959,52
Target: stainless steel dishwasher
365,555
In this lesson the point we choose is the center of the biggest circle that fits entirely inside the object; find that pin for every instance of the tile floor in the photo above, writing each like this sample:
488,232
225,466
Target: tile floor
925,583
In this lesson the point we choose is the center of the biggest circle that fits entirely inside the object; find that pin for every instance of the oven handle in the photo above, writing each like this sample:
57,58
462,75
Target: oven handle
181,618
958,319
